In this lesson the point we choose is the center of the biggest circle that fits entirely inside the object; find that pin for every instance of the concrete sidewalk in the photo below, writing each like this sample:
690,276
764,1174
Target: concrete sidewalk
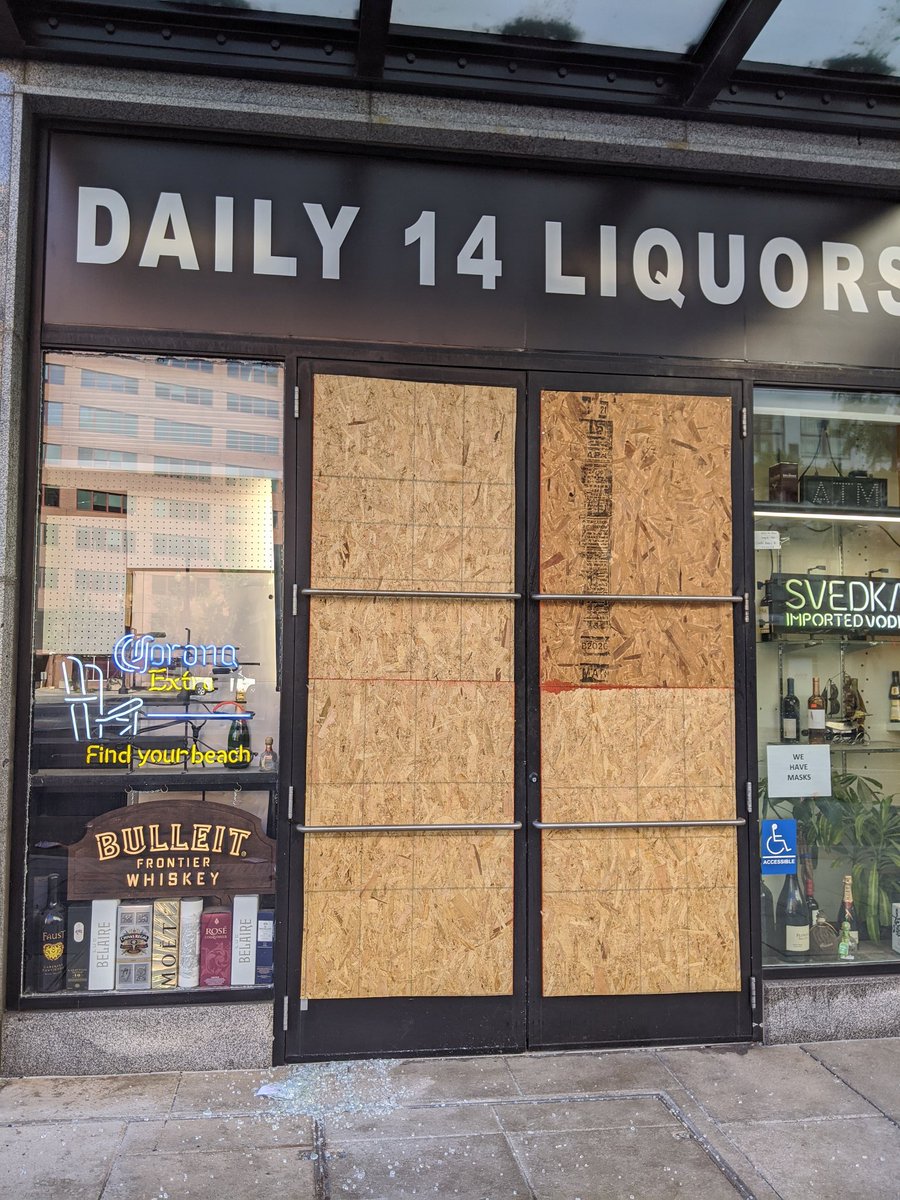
819,1121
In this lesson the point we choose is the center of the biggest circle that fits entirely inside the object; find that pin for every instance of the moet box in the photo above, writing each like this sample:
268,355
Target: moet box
164,960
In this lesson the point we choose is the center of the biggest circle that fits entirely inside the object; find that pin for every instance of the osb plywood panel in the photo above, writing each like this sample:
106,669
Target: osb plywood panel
411,703
636,645
413,485
637,700
639,912
640,483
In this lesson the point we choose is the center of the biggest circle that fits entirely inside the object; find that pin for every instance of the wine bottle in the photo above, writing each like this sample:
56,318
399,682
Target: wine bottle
239,738
53,940
894,698
792,917
790,715
847,913
812,904
815,715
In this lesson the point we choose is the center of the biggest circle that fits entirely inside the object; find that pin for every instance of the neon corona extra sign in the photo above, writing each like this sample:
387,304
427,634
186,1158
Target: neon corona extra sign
140,654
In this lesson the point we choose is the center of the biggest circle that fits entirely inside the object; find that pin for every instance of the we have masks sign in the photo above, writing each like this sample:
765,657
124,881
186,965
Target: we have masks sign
210,238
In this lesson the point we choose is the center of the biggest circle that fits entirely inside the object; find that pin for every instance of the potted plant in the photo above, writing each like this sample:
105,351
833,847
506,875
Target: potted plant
860,824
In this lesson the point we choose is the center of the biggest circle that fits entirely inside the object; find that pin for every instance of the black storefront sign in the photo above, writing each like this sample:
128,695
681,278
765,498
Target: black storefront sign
157,234
838,604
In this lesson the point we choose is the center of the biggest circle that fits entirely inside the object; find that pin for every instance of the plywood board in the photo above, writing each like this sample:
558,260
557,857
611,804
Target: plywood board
411,702
637,699
413,485
640,912
662,462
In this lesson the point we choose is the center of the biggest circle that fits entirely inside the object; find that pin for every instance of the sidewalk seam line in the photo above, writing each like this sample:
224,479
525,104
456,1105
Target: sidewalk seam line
856,1091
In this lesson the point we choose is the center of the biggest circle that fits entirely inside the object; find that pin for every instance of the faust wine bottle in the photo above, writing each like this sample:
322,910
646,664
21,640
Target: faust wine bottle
239,738
790,715
815,715
894,699
847,913
792,917
53,940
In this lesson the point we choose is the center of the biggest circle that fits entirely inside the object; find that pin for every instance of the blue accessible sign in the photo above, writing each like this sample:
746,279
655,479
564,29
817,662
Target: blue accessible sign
778,846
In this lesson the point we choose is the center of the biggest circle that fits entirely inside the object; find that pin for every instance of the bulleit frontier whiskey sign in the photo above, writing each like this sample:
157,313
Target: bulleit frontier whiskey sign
172,848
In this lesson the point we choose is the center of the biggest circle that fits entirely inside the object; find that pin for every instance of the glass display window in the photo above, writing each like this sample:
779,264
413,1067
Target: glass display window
155,678
827,552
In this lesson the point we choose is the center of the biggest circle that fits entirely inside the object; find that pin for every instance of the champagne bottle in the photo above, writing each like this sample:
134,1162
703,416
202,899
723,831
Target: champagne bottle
815,715
846,913
812,904
894,698
790,715
792,917
53,940
239,737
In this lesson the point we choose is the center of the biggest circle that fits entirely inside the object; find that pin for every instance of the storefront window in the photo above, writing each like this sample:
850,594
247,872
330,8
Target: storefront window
155,710
827,541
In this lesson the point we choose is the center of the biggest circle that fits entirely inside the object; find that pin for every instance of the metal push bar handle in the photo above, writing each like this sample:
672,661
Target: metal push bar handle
405,595
633,824
642,599
401,828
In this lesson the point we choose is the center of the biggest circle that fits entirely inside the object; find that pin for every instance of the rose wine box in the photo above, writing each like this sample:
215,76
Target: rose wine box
215,948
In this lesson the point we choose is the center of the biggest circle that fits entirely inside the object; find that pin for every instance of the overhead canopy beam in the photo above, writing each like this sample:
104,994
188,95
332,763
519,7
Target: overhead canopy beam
732,33
374,21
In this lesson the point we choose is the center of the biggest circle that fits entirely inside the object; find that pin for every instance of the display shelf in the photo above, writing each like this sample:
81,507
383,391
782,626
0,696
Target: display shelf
101,779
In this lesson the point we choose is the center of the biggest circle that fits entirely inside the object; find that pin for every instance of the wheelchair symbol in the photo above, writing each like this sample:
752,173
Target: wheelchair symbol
775,843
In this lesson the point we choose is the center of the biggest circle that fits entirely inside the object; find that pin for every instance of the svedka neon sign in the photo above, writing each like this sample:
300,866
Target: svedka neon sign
834,603
140,654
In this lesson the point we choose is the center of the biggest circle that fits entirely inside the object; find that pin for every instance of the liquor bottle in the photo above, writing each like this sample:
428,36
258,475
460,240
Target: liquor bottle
812,904
769,929
846,913
239,737
53,940
268,760
894,698
792,917
815,715
790,715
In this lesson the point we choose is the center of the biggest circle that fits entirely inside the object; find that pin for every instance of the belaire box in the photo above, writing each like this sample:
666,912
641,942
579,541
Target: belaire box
895,928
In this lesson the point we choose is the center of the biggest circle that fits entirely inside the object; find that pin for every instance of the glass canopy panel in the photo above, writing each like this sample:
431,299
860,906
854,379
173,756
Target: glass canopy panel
339,9
832,35
641,24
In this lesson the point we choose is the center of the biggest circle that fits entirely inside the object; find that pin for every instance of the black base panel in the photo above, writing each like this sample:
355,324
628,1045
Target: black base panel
568,1021
420,1025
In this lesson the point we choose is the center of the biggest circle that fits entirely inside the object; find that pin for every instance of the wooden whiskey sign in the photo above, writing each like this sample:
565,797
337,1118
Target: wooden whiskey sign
172,848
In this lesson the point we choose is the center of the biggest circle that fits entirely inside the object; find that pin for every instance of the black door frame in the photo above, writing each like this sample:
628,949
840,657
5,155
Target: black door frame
435,1025
569,1022
326,1029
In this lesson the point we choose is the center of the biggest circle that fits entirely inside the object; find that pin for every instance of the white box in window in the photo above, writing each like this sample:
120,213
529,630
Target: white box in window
895,928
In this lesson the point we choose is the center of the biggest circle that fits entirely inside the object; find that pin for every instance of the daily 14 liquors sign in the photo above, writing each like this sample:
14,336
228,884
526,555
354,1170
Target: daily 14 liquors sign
834,604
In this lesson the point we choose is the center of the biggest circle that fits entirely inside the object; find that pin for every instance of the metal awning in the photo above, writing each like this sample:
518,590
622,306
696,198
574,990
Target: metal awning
809,63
